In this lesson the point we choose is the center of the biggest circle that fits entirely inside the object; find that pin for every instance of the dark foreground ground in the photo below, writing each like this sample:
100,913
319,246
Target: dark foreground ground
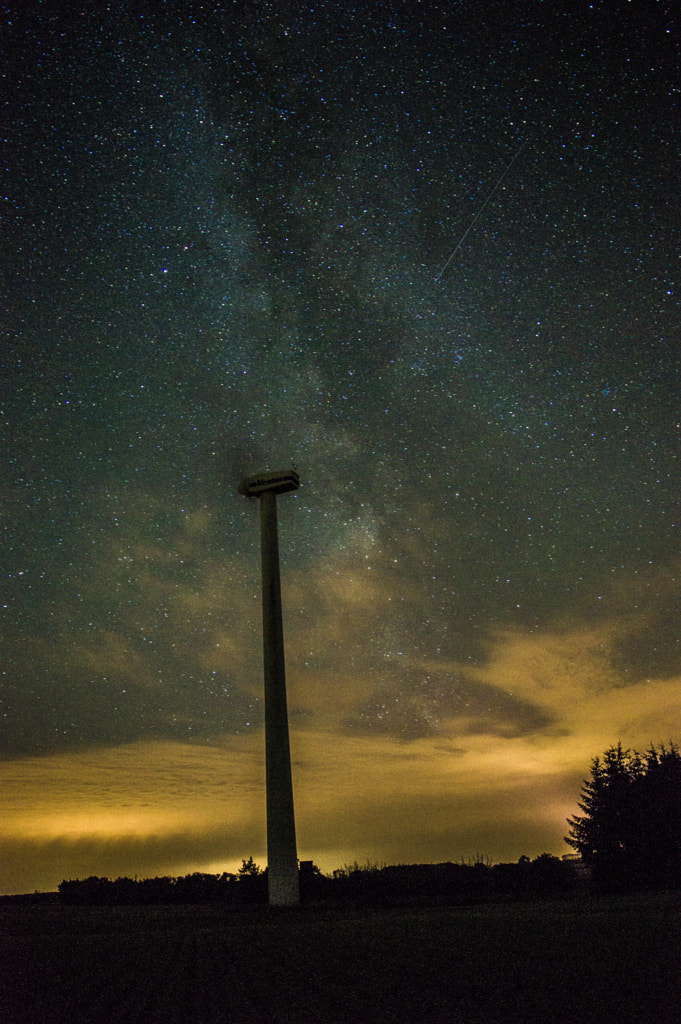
601,960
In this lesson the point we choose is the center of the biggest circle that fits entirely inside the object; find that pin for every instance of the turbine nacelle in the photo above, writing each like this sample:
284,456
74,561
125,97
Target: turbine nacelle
275,483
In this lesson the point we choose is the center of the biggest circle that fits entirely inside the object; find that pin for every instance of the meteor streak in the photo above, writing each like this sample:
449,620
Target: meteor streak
478,214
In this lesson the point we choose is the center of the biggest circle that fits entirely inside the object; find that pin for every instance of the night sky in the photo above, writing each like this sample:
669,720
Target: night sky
428,254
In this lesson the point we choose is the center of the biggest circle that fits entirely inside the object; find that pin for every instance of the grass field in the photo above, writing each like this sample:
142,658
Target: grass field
571,962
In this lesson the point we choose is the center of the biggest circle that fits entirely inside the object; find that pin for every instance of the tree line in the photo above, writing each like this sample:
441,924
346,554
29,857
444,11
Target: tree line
248,885
423,884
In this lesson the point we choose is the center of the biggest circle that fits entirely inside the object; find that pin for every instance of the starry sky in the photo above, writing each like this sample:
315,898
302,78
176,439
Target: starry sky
428,253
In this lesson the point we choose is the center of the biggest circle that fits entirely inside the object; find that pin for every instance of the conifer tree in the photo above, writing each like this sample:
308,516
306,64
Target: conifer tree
630,831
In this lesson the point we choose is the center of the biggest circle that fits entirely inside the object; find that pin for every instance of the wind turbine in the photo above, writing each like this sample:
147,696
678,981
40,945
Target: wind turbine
282,856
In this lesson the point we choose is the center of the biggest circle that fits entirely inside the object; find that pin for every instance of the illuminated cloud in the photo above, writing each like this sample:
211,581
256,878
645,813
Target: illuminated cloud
494,767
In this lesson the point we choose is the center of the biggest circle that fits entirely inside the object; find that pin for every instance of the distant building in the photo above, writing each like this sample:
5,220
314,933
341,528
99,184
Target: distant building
581,869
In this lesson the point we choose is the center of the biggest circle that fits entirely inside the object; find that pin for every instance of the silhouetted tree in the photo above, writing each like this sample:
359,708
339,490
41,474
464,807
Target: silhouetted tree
630,832
249,869
251,882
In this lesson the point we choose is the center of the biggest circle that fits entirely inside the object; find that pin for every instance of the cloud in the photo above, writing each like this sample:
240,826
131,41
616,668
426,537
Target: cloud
648,641
71,706
500,780
158,807
414,703
154,638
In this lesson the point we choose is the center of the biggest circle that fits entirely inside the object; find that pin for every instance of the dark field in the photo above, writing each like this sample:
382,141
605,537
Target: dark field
597,960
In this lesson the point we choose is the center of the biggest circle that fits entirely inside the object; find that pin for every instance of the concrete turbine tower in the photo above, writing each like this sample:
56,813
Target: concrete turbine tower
282,855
